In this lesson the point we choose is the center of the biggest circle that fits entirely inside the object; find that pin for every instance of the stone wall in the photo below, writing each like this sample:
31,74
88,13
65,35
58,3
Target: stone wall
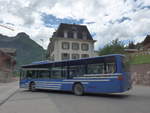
5,76
141,74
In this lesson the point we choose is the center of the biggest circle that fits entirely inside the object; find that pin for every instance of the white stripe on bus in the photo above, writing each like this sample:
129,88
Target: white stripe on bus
54,82
109,74
47,84
97,77
48,88
89,80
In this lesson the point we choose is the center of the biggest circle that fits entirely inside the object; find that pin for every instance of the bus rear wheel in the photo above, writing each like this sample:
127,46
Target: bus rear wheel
32,87
78,89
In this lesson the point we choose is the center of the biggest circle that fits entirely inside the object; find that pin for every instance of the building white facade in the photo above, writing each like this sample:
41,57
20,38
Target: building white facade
70,41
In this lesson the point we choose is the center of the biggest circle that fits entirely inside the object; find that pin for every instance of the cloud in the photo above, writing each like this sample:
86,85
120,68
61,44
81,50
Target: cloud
105,19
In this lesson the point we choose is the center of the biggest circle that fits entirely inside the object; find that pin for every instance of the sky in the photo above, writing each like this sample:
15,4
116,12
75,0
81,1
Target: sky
127,20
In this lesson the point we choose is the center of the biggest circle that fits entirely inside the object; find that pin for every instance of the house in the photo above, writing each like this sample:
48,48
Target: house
131,50
146,43
142,48
70,41
7,63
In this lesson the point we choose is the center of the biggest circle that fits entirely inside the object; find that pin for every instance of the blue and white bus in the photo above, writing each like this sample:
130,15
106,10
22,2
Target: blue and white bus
103,74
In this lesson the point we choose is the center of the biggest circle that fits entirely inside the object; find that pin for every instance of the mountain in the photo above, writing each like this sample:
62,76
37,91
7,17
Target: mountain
27,50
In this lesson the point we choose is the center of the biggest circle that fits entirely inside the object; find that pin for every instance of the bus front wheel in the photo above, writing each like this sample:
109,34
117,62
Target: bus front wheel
78,89
32,87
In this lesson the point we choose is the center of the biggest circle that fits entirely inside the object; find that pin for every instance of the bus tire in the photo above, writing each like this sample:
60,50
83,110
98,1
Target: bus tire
32,87
78,89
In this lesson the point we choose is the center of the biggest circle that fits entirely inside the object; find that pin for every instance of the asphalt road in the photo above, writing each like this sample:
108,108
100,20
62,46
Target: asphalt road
135,101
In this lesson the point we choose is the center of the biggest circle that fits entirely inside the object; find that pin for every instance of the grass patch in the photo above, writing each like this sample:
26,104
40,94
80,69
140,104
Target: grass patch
140,59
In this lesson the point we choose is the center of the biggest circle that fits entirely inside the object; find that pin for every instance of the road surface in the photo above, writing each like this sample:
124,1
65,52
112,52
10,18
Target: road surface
135,101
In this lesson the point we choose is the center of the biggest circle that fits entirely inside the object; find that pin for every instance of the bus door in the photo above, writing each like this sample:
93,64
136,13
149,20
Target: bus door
23,77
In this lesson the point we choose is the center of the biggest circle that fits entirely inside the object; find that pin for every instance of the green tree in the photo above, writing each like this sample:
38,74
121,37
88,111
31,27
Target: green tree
131,45
115,47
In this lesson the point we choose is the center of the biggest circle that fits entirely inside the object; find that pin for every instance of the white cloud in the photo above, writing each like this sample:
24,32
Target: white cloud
25,15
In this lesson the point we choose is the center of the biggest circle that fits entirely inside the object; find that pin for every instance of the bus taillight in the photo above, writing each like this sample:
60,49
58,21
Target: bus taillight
120,77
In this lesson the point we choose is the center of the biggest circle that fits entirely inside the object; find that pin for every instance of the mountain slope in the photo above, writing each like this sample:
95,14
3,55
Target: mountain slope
27,49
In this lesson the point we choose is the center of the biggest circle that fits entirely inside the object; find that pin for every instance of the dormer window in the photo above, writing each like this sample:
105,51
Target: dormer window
84,35
70,34
74,28
79,35
65,34
75,35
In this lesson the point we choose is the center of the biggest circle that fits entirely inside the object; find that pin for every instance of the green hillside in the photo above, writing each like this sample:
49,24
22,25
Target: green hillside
140,59
27,49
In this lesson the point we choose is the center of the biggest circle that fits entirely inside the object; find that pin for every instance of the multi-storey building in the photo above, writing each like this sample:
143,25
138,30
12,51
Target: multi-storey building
70,41
7,64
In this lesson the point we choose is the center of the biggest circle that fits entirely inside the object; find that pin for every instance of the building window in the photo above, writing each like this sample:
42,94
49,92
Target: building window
85,47
8,64
84,55
70,34
52,58
75,56
65,45
75,46
65,56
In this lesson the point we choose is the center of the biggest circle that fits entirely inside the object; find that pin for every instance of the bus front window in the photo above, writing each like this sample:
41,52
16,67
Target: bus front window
23,74
110,68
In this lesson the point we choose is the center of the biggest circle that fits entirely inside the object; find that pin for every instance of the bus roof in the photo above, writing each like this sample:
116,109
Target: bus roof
47,63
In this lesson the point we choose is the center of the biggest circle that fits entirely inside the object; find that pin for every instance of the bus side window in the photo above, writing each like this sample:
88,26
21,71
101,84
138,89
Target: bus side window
64,72
76,71
72,71
95,68
56,73
45,74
